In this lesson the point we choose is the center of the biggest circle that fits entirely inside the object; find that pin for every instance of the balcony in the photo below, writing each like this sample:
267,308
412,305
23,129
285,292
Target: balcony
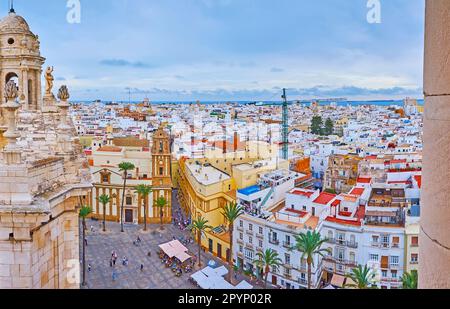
249,232
287,245
241,255
287,276
303,281
288,266
260,236
250,246
341,261
341,242
301,268
240,242
274,242
240,229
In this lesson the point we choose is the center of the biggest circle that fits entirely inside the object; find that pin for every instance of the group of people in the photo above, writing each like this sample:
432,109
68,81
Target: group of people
184,240
177,267
179,220
137,242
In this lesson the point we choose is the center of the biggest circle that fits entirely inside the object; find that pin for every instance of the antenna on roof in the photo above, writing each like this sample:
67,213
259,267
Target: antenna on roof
11,6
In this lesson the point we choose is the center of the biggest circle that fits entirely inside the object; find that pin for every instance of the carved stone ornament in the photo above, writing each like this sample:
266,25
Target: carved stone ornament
11,91
63,93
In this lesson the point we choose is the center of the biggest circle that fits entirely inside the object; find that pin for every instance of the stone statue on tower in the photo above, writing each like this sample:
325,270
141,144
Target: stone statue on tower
49,81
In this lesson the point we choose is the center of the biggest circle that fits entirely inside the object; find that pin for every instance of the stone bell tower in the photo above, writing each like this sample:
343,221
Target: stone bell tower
161,172
44,175
21,60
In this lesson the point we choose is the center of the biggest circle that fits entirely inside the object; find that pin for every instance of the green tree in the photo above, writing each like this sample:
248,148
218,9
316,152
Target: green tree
104,200
363,278
410,280
85,211
329,127
124,167
316,125
310,245
144,191
161,202
231,212
198,228
267,260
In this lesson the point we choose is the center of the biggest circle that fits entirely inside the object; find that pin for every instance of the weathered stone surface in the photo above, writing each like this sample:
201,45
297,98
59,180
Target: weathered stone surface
434,254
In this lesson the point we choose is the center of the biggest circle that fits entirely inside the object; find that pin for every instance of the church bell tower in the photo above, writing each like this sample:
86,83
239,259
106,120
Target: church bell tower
161,172
21,60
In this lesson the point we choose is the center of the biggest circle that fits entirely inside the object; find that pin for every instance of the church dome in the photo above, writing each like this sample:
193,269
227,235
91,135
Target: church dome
14,23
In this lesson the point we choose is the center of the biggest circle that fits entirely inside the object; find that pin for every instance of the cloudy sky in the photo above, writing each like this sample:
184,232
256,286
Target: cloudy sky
185,50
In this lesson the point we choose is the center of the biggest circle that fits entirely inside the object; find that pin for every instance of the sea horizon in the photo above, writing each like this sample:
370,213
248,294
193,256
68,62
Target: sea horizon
263,103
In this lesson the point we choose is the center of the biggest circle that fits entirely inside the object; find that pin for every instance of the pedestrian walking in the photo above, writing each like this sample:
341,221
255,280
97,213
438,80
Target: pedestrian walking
142,267
114,276
89,267
110,263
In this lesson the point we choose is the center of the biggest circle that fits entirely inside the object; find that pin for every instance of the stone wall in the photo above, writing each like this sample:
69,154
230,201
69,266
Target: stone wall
40,250
434,256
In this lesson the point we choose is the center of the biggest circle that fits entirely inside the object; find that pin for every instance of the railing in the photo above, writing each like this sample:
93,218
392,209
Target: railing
288,276
385,245
302,281
249,232
301,268
341,261
341,242
288,266
249,246
287,244
274,241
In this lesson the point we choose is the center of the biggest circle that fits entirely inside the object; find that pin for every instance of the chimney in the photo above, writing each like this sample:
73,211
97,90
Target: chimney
236,141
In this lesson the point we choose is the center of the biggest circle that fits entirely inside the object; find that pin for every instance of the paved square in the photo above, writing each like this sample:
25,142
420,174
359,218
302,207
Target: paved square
154,276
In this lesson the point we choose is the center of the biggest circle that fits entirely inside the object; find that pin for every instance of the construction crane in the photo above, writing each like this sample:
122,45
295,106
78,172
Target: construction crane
285,128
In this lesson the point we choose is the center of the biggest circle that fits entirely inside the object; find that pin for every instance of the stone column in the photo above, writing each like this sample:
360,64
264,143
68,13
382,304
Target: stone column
434,255
38,90
25,88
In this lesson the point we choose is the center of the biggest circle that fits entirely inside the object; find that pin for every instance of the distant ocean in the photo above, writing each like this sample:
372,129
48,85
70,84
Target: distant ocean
340,103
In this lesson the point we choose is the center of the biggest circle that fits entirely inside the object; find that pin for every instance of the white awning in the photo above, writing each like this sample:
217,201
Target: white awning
244,285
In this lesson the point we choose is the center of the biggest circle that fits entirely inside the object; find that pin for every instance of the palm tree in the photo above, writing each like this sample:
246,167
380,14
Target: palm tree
85,211
124,167
231,212
144,191
363,278
310,245
199,227
104,199
410,280
161,202
266,260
